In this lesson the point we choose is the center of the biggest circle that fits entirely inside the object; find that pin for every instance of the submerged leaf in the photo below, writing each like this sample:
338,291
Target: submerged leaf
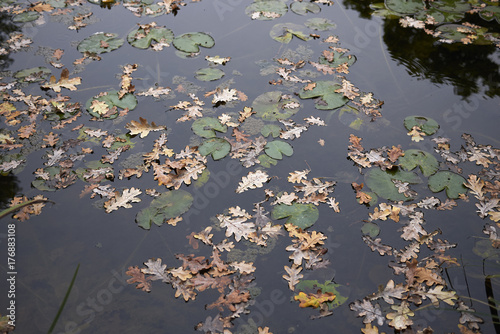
209,74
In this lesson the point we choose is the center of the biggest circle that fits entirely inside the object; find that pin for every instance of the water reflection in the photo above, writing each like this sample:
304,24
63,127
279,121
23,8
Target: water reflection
6,28
470,69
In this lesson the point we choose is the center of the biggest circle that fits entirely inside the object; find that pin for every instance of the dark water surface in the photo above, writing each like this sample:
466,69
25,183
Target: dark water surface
457,86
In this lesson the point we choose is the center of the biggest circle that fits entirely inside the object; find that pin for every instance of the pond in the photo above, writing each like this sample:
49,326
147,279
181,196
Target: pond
272,166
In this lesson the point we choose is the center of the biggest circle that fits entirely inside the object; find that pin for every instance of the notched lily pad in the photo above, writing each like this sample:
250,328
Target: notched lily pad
209,74
320,24
270,129
426,161
327,97
453,183
32,74
405,6
312,286
100,42
303,7
272,106
168,205
426,124
298,214
205,127
26,17
276,148
143,37
190,42
103,105
284,32
217,147
380,182
266,9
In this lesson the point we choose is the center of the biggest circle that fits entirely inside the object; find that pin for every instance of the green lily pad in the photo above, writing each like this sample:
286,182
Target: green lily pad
303,7
325,90
209,74
32,74
272,106
284,32
100,43
205,127
26,17
270,129
426,124
276,148
217,147
351,117
426,161
338,59
370,229
453,183
111,100
320,24
451,6
312,286
142,39
405,6
380,182
298,214
259,8
190,42
489,13
266,161
168,205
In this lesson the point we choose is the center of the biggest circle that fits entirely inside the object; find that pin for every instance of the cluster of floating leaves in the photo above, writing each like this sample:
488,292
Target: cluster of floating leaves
449,21
422,261
223,136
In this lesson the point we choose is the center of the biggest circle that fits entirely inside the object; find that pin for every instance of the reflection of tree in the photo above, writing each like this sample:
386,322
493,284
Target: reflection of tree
9,187
6,27
468,67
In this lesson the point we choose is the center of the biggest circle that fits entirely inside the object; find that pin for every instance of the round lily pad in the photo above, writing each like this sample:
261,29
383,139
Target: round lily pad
270,129
380,182
168,205
312,286
453,183
276,148
217,147
100,42
209,74
303,7
284,32
26,17
426,161
298,214
142,38
272,106
190,42
325,90
405,6
426,124
32,74
266,161
110,100
266,9
205,127
337,59
370,229
320,24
